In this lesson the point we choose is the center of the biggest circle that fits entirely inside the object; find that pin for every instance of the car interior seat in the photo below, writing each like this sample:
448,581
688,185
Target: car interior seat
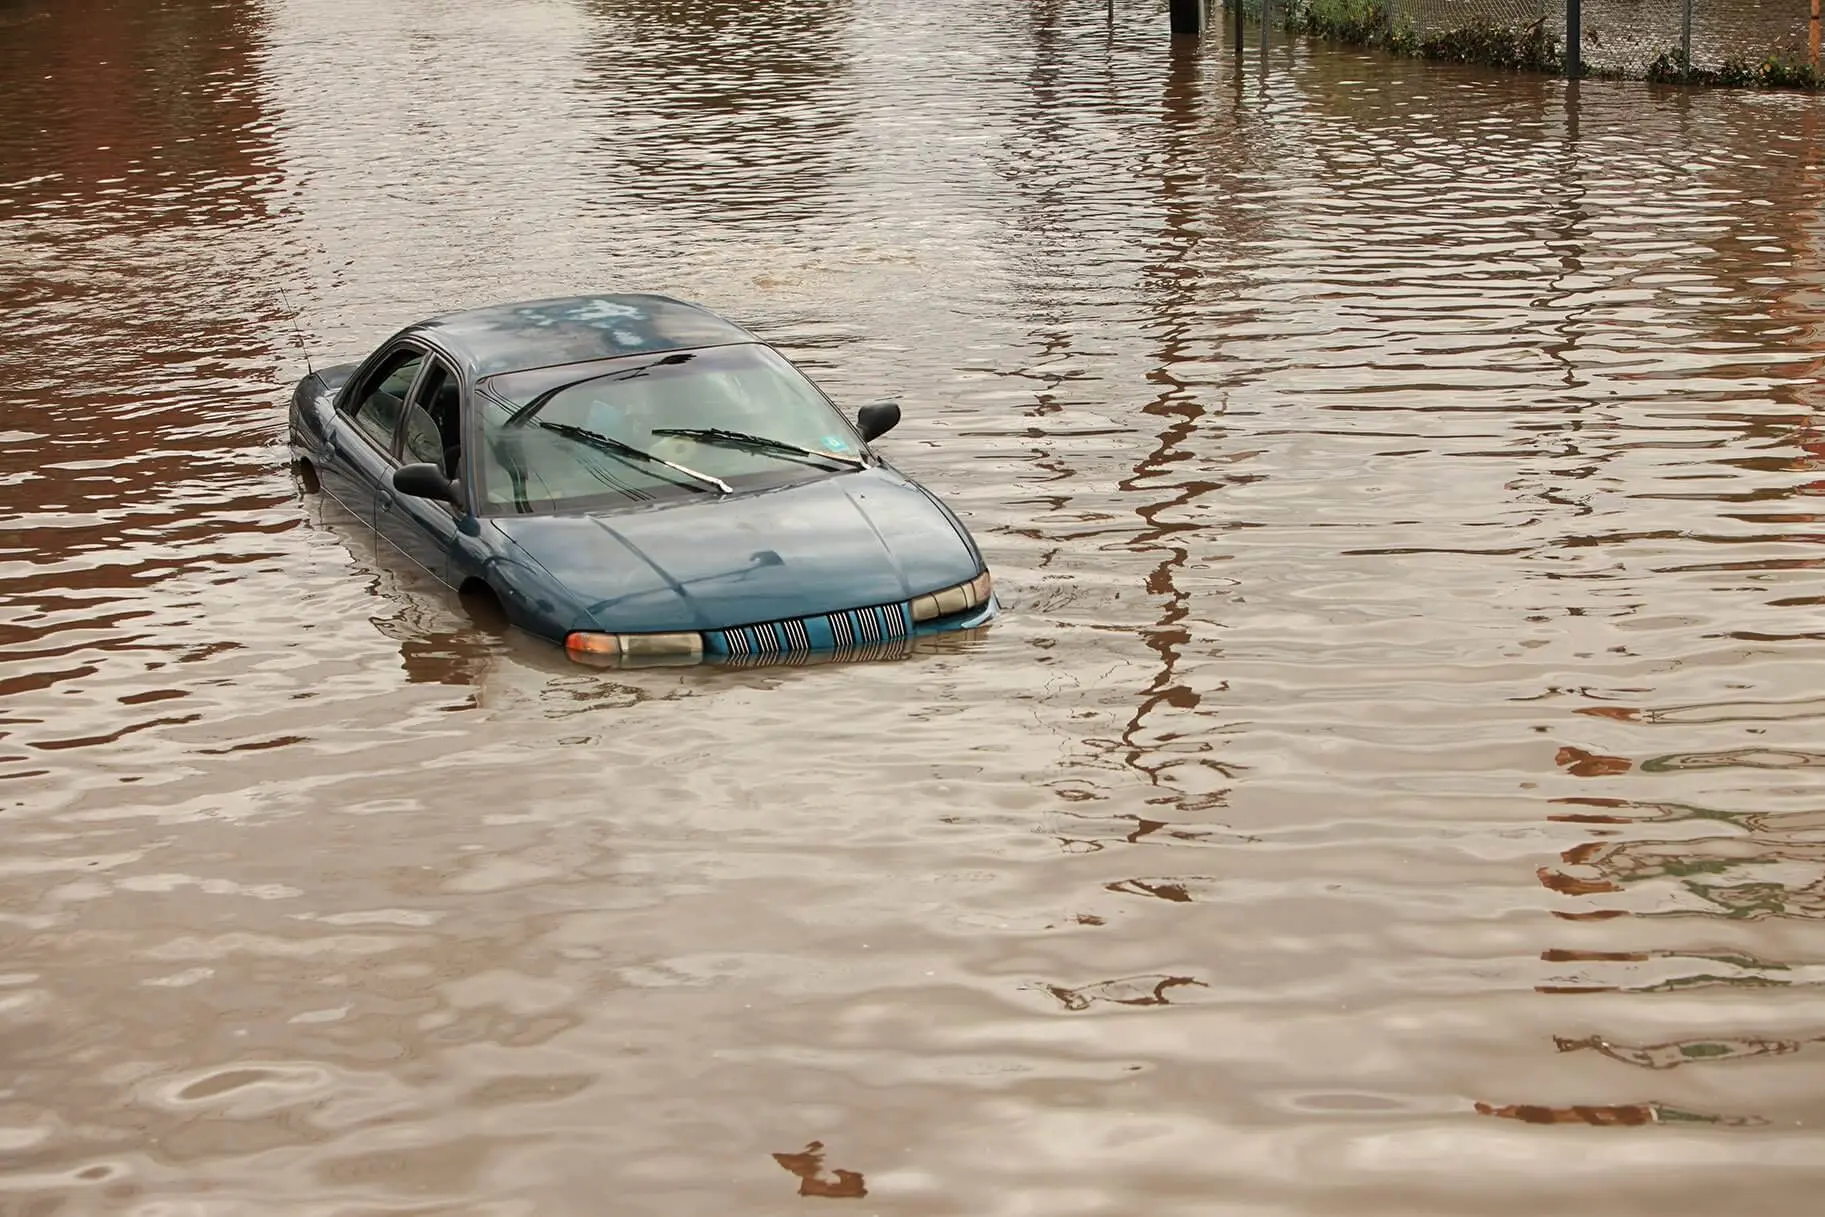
446,413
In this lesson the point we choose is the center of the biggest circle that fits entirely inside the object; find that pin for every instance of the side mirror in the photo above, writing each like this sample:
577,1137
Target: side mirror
425,481
877,419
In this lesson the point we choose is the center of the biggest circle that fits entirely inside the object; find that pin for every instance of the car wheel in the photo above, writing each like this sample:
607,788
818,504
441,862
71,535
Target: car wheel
306,473
483,606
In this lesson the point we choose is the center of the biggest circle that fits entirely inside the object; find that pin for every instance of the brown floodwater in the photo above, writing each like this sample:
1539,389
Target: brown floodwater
1396,786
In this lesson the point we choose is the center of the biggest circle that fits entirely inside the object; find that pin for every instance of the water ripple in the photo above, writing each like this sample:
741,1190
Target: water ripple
1401,736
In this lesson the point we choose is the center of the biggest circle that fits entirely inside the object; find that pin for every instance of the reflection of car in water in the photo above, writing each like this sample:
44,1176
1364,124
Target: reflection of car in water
638,479
472,652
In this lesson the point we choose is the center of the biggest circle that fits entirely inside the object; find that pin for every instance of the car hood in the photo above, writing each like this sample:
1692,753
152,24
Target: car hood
845,541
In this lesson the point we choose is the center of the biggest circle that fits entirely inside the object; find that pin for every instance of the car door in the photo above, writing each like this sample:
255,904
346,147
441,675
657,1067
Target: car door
425,530
358,461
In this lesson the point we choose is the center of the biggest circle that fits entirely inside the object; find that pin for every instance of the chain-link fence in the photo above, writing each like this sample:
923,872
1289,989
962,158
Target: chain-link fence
1643,38
1733,42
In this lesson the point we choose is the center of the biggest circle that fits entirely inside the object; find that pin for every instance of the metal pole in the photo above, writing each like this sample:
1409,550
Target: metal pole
1574,39
1812,36
1685,40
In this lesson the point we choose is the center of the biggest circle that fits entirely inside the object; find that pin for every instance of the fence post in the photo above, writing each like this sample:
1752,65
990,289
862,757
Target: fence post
1574,39
1685,40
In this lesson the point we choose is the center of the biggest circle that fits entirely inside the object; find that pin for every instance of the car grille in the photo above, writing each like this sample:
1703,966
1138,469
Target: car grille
900,648
832,631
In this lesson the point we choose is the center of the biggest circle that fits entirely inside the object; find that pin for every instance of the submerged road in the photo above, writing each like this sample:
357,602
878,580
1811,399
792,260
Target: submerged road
1394,787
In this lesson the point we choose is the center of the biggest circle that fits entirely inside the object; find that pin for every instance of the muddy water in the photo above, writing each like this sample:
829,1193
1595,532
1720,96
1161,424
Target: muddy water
1395,787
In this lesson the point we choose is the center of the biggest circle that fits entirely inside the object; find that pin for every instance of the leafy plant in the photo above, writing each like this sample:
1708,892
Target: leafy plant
1528,48
1772,71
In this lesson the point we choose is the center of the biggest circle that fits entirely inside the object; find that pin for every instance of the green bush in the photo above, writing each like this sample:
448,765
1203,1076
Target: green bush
1360,22
1771,72
1778,73
1668,66
1369,23
1532,49
1529,48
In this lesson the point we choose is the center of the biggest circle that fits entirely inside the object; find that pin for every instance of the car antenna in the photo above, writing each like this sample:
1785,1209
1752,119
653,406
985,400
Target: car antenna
297,329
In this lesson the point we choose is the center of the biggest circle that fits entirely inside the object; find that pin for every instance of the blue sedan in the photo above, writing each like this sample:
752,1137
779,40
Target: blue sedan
637,479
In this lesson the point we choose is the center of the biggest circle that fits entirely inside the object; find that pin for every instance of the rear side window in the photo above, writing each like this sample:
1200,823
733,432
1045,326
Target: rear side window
376,415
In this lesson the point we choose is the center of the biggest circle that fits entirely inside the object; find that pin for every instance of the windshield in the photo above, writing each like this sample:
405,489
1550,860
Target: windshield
584,436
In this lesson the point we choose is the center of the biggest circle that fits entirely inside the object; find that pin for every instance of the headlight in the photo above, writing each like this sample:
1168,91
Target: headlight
589,647
952,600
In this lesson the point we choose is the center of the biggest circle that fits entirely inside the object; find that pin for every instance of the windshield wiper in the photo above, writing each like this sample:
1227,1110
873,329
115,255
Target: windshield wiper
609,444
525,412
760,443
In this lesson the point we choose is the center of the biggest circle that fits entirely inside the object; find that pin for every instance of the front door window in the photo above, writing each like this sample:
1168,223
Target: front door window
382,404
434,422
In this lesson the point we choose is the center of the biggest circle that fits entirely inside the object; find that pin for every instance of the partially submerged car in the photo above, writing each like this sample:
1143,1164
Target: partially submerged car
636,478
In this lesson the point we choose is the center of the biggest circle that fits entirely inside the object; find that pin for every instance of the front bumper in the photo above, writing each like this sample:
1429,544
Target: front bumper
878,632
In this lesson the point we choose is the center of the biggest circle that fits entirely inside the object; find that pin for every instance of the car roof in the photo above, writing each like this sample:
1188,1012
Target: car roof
526,334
